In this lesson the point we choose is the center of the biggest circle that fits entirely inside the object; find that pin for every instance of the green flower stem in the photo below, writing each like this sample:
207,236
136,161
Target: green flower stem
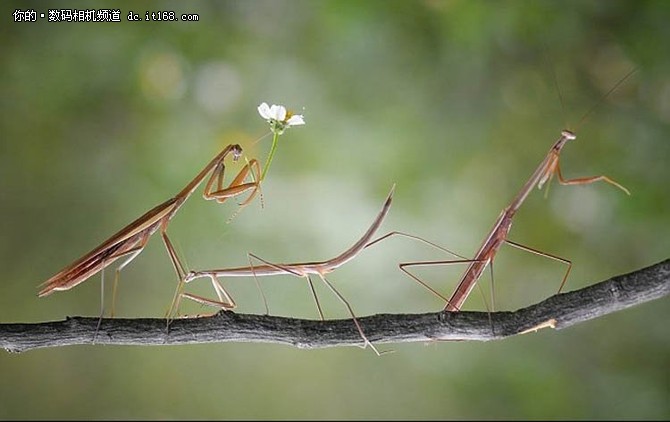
272,153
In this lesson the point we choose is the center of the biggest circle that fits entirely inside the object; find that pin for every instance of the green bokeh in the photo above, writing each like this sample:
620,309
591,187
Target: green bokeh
454,101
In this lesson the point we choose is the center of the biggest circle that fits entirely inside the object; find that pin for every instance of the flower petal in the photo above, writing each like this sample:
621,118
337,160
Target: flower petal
264,111
273,111
295,120
281,113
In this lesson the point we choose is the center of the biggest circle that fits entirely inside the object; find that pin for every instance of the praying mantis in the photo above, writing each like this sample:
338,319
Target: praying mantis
131,240
303,269
498,235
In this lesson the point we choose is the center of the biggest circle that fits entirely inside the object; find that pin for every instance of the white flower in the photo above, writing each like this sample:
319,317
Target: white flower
279,118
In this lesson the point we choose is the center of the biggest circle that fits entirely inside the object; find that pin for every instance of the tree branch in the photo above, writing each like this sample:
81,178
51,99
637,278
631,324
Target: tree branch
557,312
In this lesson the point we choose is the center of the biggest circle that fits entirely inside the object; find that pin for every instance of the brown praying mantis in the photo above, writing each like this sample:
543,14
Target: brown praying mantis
498,235
304,269
131,240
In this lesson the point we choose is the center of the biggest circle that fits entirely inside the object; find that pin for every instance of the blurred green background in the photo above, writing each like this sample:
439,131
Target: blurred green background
455,101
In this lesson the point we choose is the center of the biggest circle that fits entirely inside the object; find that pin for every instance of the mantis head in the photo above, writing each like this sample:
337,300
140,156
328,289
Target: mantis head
568,135
237,152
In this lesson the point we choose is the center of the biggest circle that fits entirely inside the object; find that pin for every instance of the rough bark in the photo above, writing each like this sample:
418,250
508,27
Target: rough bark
559,311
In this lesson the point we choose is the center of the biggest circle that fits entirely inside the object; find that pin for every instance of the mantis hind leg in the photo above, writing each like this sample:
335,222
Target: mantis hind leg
403,266
546,255
225,301
316,298
133,252
353,316
282,268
